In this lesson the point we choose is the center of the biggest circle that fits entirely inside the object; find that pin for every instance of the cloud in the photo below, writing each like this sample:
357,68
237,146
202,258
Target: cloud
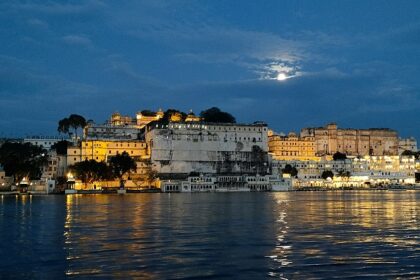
198,39
78,40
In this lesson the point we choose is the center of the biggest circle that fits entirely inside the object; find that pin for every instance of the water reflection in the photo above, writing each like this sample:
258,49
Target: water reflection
373,234
103,235
303,235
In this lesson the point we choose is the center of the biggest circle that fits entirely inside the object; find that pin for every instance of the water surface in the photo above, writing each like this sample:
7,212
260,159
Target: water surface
295,235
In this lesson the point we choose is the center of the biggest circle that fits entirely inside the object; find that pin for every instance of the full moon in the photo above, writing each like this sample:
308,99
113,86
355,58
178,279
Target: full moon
281,77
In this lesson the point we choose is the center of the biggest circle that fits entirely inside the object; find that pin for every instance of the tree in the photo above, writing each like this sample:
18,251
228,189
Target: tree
215,115
327,174
61,147
339,156
89,171
148,113
122,164
74,121
288,169
64,126
22,160
411,153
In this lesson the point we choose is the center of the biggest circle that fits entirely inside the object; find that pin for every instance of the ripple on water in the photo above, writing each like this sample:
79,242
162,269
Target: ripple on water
304,235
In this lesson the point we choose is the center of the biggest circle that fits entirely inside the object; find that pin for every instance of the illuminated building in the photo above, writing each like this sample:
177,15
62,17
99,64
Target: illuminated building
356,171
144,118
101,150
183,147
291,147
118,119
122,127
353,142
191,117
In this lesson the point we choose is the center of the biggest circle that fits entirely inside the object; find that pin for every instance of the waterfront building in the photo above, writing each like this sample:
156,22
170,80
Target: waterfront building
291,147
353,142
227,183
369,169
180,148
407,144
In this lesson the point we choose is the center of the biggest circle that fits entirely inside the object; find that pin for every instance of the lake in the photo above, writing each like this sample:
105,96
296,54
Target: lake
293,235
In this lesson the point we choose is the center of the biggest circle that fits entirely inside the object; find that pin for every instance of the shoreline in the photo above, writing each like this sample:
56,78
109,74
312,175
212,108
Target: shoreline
302,189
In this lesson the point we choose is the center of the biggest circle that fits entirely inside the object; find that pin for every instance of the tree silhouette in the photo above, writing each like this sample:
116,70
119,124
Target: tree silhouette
339,156
22,160
90,171
288,169
215,115
122,164
74,122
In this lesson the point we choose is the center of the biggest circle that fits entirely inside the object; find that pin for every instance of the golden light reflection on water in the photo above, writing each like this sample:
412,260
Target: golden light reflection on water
368,226
99,224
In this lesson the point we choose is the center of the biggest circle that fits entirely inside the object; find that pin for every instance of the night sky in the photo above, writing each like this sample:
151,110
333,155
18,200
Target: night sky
290,63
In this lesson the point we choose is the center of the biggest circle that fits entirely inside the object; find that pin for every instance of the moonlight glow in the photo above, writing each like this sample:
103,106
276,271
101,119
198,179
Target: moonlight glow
281,77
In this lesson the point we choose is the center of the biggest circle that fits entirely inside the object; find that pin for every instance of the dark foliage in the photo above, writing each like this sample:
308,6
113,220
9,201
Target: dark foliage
122,164
61,147
89,171
148,113
74,122
410,153
215,115
327,174
22,160
339,156
288,169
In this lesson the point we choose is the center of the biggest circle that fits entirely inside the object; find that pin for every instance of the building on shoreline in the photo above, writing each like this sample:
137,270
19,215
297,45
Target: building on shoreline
353,142
179,148
361,171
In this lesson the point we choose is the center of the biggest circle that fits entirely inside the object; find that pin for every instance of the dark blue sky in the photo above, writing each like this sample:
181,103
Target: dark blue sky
353,62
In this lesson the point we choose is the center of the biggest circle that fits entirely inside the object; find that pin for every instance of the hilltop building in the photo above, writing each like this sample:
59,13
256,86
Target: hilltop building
291,147
42,141
179,148
353,142
117,119
145,117
407,144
